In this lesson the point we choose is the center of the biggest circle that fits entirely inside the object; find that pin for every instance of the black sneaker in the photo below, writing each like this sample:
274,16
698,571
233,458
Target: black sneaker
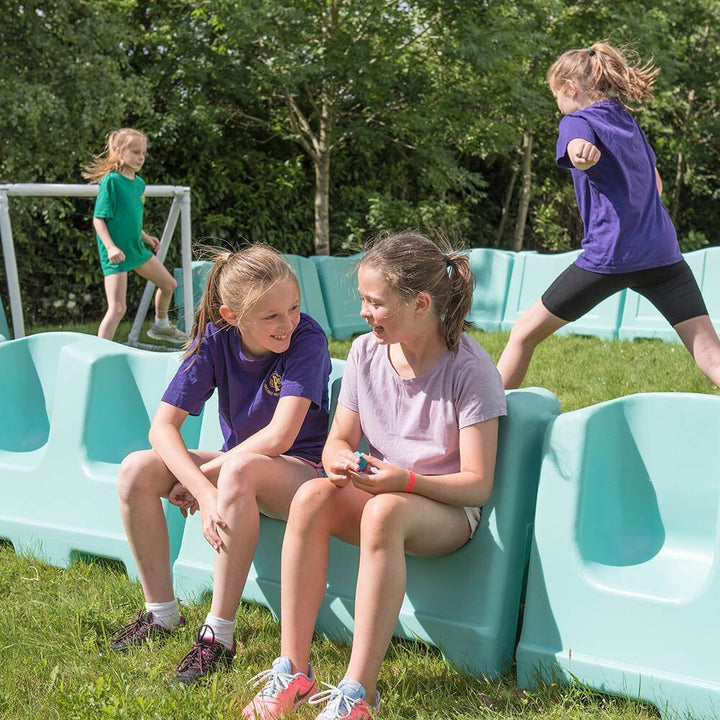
140,630
203,660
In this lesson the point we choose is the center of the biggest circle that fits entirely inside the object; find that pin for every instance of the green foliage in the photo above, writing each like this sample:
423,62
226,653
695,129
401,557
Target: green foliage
421,107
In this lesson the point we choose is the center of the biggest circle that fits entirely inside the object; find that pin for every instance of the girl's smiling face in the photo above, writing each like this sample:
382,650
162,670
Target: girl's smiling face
133,155
269,325
382,308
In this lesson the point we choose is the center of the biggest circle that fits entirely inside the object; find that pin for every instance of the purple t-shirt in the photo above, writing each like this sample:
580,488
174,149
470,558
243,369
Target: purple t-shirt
627,227
415,422
249,390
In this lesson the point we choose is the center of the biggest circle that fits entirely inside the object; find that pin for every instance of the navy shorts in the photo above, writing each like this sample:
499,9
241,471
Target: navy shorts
672,289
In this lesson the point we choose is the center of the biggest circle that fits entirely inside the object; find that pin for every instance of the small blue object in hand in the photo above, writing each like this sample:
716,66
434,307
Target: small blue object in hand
362,462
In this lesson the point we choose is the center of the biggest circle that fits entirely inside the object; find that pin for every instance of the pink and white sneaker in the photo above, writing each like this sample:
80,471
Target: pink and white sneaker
282,693
345,702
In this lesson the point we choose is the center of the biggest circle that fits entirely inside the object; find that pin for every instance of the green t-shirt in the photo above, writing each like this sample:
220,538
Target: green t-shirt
120,202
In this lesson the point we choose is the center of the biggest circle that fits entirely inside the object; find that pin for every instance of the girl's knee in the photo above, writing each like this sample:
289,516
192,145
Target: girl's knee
133,471
311,500
382,519
240,476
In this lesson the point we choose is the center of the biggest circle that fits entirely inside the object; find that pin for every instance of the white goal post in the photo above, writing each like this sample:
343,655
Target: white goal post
180,208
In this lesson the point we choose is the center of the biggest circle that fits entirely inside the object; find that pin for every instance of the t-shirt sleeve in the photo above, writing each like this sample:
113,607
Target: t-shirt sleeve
307,366
572,127
194,382
105,200
348,396
480,392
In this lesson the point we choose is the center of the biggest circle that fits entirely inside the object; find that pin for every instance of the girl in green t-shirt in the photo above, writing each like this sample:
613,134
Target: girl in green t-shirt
122,243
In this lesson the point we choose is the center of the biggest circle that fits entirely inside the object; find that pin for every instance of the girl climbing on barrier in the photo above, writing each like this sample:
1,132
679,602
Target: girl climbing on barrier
270,364
630,241
122,243
427,399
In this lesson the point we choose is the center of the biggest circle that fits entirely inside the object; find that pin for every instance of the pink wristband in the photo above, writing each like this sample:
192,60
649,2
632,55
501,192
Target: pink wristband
411,482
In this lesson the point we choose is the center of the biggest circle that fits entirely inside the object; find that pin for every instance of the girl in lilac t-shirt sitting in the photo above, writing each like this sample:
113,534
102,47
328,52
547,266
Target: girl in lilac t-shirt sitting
427,398
630,241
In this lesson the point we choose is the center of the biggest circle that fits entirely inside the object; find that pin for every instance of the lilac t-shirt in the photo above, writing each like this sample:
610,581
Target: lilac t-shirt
627,227
249,390
415,422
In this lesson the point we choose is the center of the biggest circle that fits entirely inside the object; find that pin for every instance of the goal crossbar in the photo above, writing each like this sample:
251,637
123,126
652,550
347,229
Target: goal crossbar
180,208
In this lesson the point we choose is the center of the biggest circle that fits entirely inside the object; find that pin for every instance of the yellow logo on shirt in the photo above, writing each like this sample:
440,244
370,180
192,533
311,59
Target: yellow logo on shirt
273,384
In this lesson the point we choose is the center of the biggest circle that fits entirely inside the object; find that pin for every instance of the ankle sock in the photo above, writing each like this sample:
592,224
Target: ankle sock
224,630
162,322
166,614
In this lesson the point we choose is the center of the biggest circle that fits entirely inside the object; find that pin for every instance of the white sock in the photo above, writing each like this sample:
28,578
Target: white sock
166,614
224,630
162,322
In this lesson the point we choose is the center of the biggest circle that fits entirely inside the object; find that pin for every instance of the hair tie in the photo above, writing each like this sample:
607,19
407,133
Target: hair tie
449,262
591,52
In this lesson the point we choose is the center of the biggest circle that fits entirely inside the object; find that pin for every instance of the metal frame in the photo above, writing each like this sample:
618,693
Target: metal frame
180,208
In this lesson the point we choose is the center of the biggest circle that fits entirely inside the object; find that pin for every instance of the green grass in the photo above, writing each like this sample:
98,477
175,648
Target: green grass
54,622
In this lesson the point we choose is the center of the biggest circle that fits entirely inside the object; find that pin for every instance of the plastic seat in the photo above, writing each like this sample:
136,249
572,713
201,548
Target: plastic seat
640,319
492,270
199,270
533,273
623,584
338,281
466,603
100,399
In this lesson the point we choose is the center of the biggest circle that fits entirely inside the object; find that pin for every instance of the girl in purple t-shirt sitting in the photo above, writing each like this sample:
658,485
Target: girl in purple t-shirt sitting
270,365
427,399
630,241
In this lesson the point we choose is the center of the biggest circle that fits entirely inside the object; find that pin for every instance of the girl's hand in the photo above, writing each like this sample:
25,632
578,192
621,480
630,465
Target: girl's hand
181,497
152,241
115,255
211,521
583,154
339,471
385,478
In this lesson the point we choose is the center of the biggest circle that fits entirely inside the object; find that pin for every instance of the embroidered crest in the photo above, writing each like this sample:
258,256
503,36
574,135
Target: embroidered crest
273,384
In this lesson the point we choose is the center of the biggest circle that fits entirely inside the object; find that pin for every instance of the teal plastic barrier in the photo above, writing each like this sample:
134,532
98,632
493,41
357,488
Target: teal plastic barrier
492,270
311,299
640,319
467,603
623,585
73,406
199,270
533,273
338,281
4,329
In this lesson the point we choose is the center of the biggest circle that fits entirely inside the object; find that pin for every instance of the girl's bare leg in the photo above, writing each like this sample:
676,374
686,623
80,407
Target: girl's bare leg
115,292
701,340
537,324
158,274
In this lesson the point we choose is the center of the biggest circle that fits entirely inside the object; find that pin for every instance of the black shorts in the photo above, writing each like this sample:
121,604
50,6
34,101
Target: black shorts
672,289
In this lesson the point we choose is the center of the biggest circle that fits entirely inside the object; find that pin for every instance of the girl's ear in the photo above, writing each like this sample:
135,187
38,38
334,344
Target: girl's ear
228,315
571,87
423,303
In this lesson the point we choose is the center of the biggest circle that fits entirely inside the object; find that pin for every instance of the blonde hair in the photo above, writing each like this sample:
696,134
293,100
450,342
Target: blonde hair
238,280
603,71
109,160
412,263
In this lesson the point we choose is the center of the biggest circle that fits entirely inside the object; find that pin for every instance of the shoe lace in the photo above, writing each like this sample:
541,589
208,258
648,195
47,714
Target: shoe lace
275,682
133,628
339,704
203,652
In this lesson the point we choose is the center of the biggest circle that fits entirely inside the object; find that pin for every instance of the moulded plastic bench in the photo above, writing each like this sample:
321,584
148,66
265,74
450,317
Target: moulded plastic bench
199,271
624,579
640,319
467,603
492,270
338,281
74,406
533,273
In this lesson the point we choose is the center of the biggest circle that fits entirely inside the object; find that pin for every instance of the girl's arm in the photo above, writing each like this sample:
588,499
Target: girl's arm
338,454
658,182
276,438
115,254
167,442
470,487
582,153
